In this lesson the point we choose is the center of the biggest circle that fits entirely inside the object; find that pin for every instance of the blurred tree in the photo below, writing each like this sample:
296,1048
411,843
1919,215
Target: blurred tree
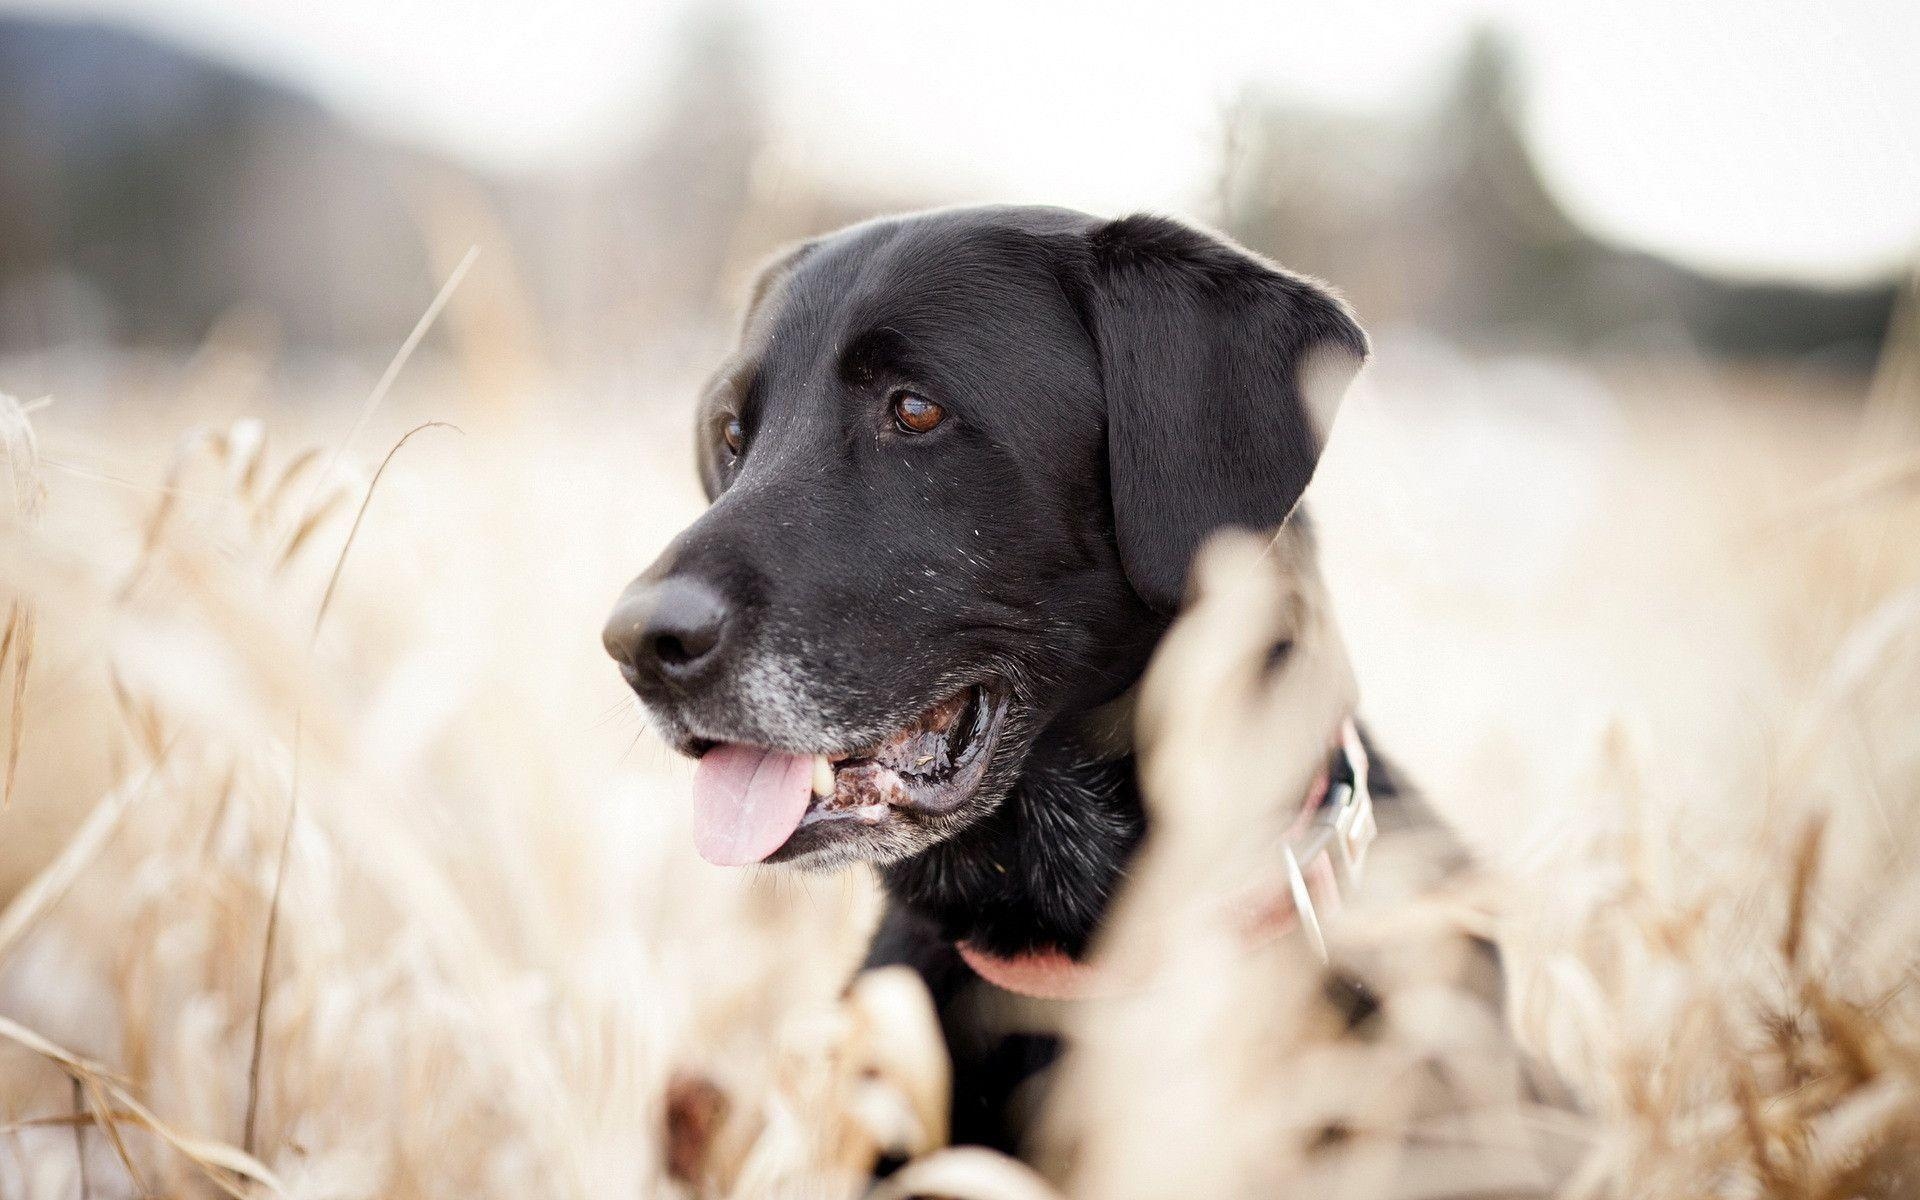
1447,223
146,192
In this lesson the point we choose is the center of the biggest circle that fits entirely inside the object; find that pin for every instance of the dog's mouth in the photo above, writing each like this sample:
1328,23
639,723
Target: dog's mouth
750,801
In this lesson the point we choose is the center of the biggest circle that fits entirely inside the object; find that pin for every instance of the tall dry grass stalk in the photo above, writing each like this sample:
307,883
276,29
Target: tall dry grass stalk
393,901
1242,1066
359,899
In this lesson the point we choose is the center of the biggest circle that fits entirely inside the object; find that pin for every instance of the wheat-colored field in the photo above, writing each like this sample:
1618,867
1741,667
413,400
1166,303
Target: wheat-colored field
336,862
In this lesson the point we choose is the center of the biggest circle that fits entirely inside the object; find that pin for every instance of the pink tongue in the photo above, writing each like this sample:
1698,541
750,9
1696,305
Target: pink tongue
747,802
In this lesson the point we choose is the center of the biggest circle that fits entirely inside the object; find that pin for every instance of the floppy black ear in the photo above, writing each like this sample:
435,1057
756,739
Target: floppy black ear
1222,374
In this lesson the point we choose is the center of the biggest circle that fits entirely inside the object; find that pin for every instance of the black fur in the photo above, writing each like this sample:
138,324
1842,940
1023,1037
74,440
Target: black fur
1039,869
1115,390
1200,351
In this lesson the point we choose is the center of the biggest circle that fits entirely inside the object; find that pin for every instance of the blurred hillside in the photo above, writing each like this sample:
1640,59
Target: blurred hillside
149,193
1446,223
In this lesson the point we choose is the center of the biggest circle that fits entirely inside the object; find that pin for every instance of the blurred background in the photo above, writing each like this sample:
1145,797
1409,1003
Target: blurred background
293,181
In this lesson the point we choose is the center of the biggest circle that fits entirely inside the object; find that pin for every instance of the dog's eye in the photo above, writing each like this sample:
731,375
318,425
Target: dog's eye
733,435
914,413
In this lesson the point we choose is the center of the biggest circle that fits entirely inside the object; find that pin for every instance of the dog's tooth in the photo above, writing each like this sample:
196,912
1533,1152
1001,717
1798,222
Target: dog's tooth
822,776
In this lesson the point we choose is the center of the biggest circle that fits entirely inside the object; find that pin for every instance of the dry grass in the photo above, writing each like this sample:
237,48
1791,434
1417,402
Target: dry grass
335,865
482,961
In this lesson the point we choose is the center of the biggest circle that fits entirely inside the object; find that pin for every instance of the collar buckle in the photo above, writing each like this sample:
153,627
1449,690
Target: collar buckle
1343,828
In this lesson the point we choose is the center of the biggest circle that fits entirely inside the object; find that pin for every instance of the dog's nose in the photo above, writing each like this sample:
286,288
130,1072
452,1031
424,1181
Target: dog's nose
667,629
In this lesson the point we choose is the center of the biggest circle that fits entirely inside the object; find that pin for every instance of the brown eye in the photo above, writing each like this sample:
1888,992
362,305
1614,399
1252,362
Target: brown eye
733,435
914,413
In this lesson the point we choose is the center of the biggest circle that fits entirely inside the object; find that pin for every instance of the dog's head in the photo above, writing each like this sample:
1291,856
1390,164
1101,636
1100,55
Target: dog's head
958,465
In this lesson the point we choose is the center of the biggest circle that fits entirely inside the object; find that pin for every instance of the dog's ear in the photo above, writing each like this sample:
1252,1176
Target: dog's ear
767,280
1222,375
721,395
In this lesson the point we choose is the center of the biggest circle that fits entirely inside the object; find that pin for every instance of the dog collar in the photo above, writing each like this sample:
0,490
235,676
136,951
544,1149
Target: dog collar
1325,849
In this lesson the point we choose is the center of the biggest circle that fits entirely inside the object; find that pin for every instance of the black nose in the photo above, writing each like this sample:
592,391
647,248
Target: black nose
667,629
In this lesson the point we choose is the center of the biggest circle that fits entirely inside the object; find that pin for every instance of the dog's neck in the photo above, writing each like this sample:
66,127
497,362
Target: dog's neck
1104,734
1039,871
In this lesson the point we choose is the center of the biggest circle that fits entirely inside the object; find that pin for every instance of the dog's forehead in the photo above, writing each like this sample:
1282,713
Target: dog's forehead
972,304
926,276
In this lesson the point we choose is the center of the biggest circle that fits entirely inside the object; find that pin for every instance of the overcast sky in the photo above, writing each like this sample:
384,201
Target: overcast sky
1758,136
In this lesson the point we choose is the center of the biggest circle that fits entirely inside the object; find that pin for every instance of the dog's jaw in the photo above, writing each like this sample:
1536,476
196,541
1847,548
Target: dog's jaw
1037,870
915,788
891,796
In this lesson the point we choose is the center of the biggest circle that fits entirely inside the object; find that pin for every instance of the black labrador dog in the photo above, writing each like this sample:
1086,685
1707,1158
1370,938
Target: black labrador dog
959,463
